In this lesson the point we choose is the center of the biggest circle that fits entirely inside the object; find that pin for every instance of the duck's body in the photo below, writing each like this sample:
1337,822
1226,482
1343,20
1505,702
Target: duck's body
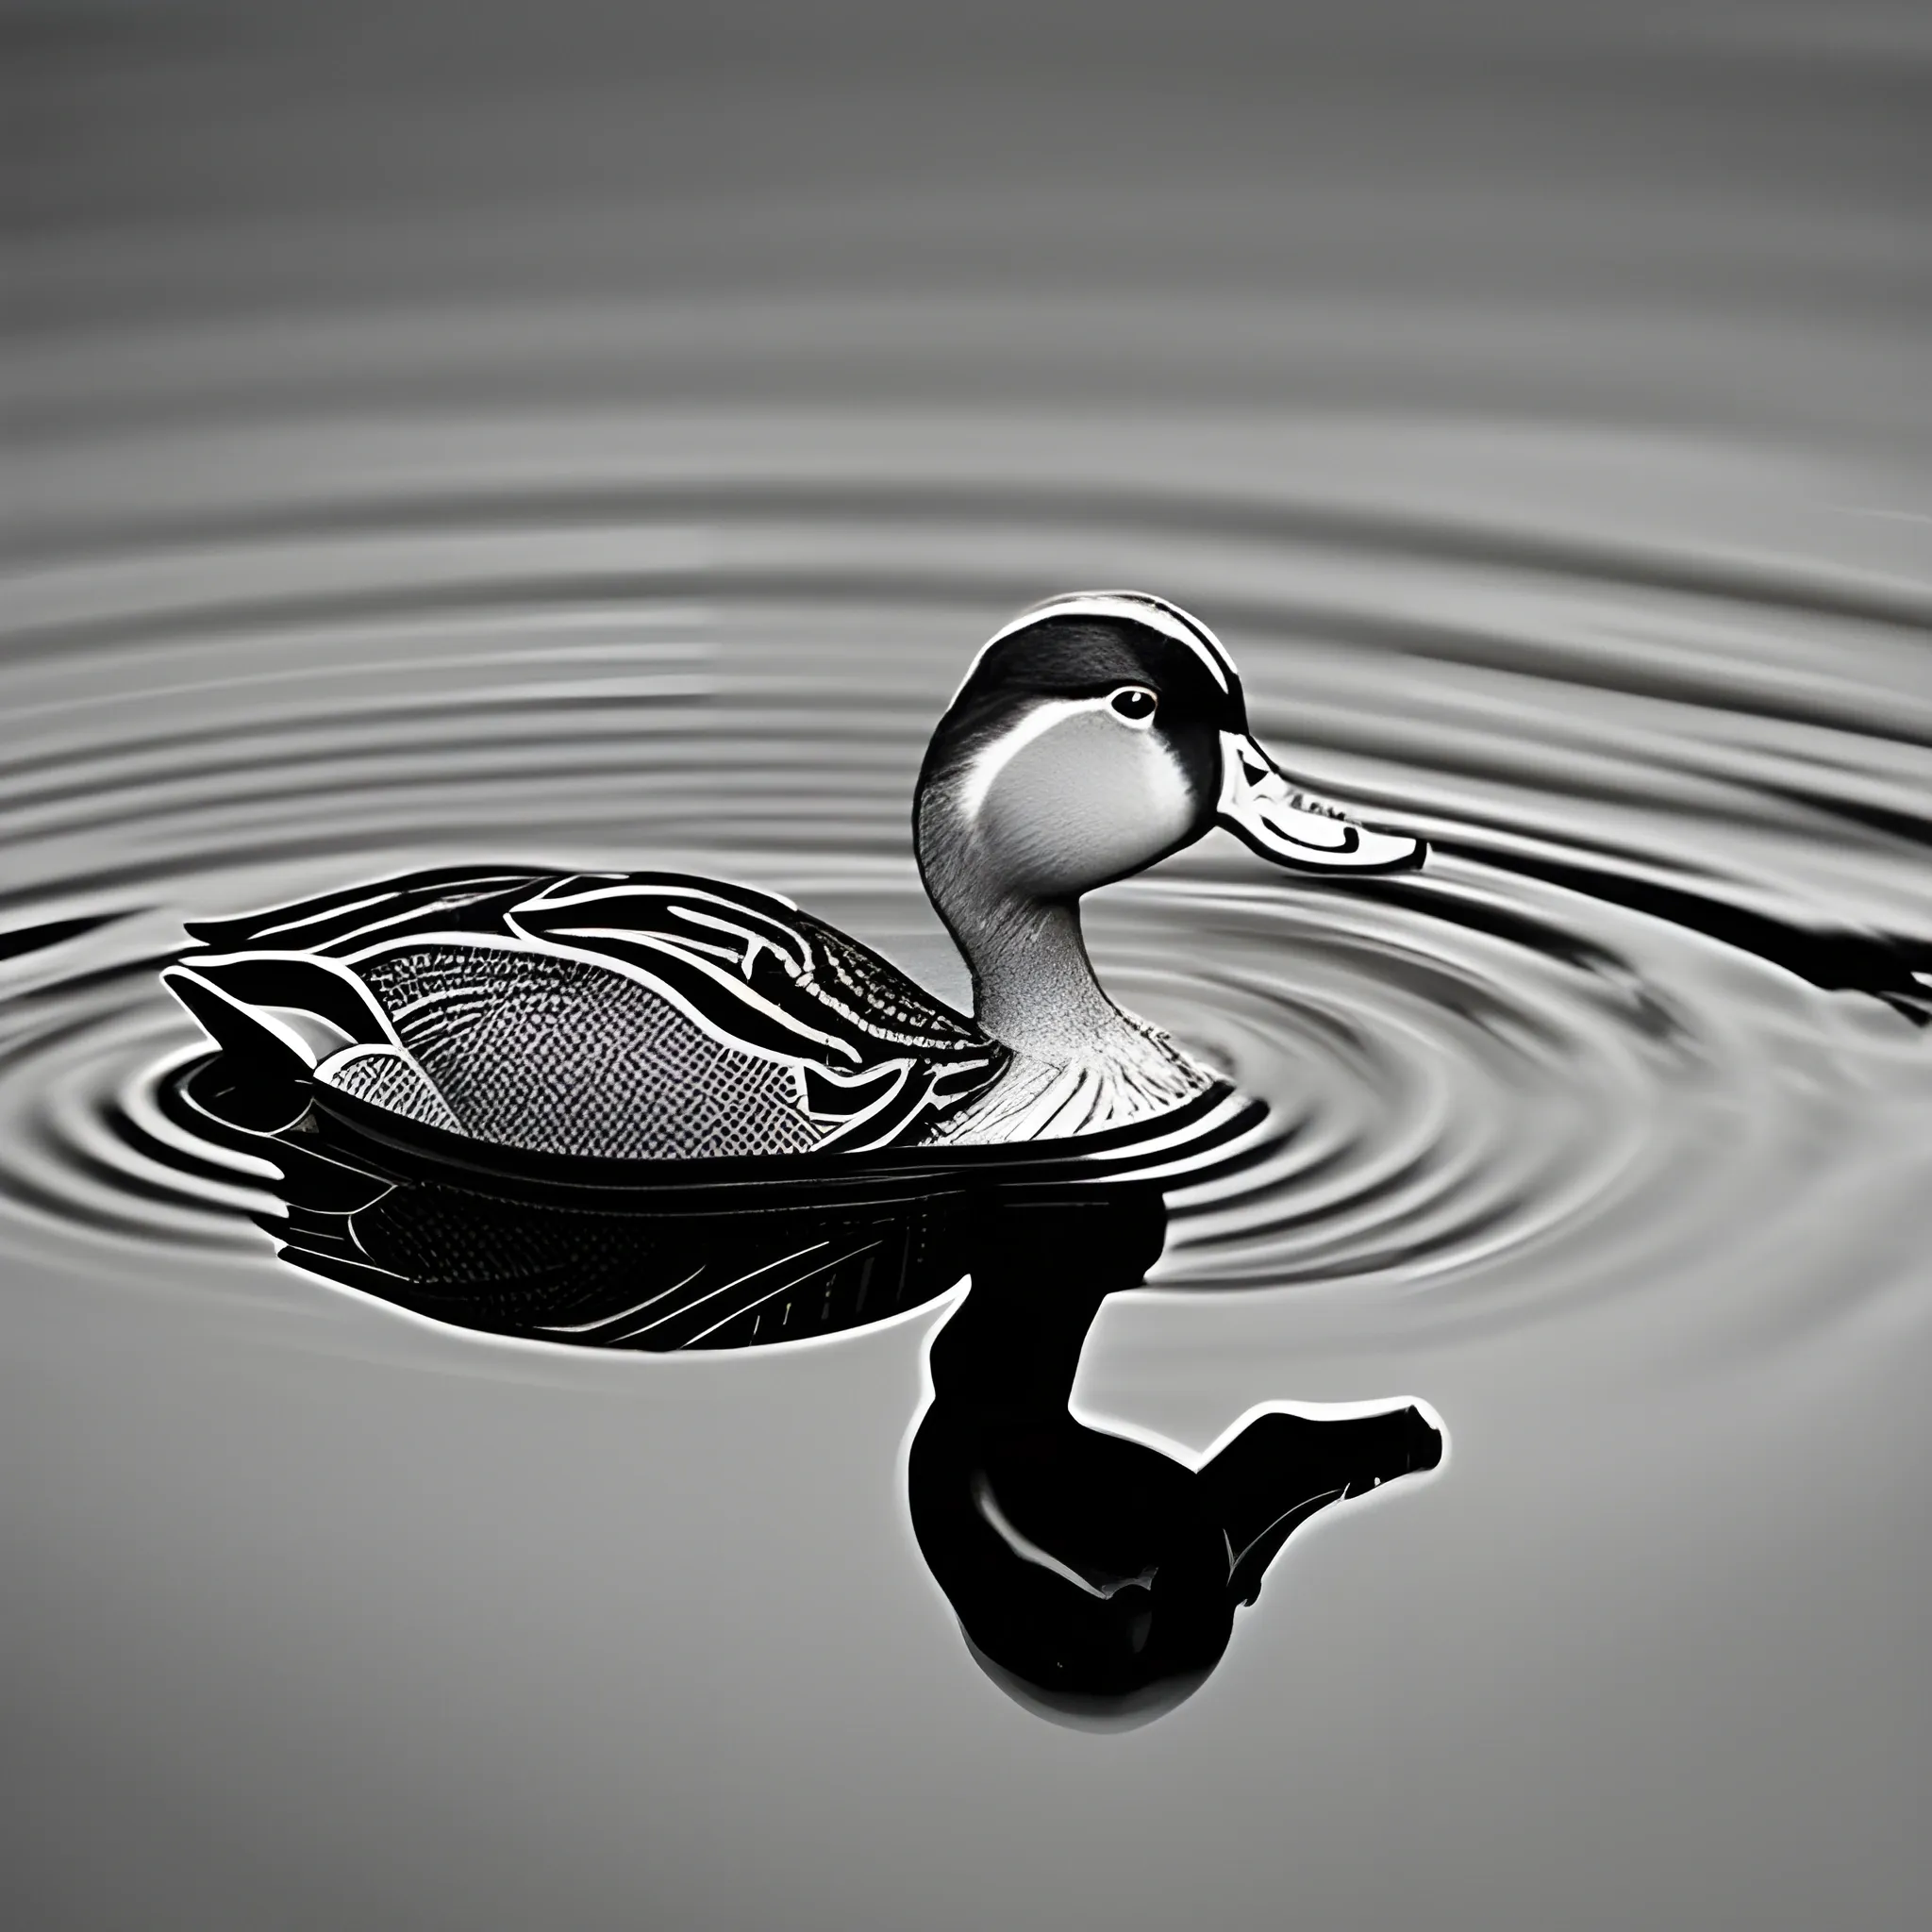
653,1017
662,1017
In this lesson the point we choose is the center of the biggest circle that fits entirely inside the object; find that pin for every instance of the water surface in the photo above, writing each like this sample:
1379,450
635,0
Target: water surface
585,450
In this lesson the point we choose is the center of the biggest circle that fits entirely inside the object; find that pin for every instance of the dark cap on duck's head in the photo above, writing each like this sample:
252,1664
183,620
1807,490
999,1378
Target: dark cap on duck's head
1092,641
1098,733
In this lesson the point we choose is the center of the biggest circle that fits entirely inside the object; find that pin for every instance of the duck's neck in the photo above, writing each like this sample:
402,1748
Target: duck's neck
1034,988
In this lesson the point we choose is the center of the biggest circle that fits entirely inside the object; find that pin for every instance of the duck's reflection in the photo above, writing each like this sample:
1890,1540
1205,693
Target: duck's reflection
1095,1577
589,1267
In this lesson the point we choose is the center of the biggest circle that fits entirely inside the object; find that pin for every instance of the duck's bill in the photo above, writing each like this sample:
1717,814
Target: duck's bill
1262,807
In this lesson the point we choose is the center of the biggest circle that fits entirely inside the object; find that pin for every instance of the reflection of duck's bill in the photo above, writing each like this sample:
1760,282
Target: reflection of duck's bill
1263,807
1183,1146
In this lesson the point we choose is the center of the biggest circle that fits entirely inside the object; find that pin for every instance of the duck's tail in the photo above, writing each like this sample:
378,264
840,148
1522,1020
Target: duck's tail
281,1015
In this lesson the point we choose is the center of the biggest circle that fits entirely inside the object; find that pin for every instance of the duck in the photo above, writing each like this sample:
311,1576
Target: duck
680,1021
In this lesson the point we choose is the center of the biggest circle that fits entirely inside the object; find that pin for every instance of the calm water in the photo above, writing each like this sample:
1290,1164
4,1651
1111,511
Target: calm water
597,448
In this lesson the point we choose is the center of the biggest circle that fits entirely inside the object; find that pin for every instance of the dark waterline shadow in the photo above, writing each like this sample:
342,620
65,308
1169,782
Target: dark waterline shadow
1095,1576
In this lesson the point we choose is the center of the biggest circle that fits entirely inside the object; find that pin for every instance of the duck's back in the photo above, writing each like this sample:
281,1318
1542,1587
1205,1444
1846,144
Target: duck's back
650,1016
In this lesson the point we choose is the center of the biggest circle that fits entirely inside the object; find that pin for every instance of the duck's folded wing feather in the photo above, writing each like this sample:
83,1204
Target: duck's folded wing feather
756,969
443,898
259,981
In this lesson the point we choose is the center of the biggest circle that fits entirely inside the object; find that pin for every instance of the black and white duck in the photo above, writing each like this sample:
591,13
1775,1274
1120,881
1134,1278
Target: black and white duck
667,1018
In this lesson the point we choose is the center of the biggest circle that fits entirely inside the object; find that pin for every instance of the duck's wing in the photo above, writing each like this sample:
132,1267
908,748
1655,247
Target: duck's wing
512,1004
879,1059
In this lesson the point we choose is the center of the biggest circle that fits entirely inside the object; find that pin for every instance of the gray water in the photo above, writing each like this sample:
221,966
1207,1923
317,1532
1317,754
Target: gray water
591,438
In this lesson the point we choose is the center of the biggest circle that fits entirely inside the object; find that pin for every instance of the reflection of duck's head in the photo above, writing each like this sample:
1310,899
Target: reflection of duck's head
1098,733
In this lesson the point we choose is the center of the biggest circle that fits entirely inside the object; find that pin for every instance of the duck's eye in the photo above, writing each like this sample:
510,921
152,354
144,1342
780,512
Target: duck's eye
1135,702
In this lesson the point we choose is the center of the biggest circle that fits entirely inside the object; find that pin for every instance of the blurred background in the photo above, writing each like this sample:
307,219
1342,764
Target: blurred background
1674,216
598,434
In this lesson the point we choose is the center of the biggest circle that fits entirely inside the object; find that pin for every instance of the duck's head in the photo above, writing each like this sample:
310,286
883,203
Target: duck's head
1098,733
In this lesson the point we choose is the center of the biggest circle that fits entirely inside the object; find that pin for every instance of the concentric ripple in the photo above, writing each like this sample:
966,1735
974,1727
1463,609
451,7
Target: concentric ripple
1666,967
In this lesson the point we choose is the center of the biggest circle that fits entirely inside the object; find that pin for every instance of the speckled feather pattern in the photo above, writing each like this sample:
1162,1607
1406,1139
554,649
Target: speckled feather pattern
566,1056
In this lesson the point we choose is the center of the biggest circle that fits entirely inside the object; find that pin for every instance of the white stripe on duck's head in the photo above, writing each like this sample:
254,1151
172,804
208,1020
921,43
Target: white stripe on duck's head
1098,733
